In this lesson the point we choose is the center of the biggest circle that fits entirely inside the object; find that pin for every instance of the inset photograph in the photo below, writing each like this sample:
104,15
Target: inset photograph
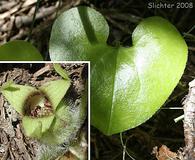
43,111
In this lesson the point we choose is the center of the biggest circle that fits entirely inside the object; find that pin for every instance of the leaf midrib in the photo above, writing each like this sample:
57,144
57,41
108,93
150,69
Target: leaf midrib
114,86
113,96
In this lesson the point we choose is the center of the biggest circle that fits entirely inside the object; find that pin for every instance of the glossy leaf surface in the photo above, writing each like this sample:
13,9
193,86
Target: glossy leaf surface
128,85
19,51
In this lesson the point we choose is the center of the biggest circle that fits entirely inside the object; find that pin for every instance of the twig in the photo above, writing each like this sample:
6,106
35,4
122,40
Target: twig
189,123
3,37
7,6
9,12
25,20
22,32
179,118
42,71
28,3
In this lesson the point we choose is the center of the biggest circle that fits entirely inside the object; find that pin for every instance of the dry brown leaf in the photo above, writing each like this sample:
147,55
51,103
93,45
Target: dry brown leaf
164,153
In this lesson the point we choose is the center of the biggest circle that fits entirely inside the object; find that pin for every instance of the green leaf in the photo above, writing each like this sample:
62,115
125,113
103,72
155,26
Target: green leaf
68,119
83,32
55,89
7,84
36,127
128,85
59,130
60,71
17,95
19,51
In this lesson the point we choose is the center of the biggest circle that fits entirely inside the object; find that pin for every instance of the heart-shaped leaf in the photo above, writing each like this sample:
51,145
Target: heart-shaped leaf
19,51
128,85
